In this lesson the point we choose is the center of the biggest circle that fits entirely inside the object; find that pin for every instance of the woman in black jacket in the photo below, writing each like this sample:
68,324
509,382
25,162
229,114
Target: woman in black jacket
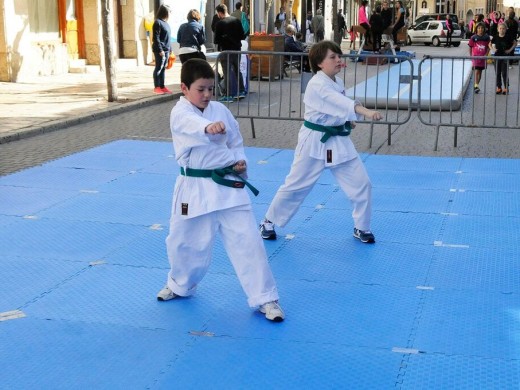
161,46
191,37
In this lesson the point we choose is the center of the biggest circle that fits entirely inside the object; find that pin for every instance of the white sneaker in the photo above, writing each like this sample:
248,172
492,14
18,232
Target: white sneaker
166,294
272,311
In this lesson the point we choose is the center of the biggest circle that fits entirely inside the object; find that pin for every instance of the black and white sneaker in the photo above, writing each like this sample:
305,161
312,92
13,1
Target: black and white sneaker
365,236
267,230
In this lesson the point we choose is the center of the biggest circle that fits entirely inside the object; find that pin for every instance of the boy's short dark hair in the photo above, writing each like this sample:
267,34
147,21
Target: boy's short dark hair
319,51
194,69
238,5
222,8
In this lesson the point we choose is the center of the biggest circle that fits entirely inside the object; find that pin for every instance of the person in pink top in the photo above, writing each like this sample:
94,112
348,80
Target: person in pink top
449,33
363,20
479,46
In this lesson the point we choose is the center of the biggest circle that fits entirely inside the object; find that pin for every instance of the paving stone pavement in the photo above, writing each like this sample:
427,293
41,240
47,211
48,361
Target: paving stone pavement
60,115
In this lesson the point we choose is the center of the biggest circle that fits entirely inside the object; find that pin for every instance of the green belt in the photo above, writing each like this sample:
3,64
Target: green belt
330,131
217,175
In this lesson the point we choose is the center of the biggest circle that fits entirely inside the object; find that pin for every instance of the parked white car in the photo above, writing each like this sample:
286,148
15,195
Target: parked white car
433,32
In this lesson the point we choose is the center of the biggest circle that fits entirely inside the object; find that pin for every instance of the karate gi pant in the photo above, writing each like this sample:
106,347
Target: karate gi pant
190,243
305,171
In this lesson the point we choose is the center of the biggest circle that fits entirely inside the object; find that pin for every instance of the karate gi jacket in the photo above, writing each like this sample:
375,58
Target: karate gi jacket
196,149
326,104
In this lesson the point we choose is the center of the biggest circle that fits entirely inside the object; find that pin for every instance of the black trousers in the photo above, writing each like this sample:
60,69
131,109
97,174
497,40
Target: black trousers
376,40
368,37
231,63
502,70
188,56
396,28
448,37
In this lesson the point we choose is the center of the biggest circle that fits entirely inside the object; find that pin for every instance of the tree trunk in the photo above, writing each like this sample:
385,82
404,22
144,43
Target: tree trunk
268,4
107,22
288,13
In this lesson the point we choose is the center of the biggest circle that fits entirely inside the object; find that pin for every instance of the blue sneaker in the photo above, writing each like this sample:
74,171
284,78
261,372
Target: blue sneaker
226,99
364,236
241,95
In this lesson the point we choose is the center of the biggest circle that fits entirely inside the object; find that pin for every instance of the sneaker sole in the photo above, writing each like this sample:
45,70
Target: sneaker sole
167,299
364,241
270,237
275,319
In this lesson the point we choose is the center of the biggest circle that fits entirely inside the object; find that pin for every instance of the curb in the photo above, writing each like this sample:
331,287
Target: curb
60,124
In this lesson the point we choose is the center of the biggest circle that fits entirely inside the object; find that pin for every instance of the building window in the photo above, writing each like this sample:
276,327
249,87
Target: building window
43,19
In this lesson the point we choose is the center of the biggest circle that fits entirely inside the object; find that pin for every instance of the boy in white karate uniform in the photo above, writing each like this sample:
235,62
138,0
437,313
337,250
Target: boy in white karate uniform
324,142
210,198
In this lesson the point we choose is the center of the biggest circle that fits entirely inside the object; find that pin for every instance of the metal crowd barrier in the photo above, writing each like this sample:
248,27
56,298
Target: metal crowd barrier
484,109
438,90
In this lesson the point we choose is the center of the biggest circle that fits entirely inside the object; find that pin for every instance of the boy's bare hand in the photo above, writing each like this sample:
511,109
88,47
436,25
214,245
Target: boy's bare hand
216,128
376,116
240,166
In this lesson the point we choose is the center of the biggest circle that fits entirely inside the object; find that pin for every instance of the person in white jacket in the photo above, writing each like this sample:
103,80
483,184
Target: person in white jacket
324,142
210,197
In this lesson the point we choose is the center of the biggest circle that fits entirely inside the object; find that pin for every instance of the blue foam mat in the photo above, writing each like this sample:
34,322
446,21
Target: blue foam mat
442,371
310,365
433,304
491,329
70,354
474,268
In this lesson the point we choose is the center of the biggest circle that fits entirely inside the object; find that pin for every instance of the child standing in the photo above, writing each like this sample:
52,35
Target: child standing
479,46
209,197
324,142
502,45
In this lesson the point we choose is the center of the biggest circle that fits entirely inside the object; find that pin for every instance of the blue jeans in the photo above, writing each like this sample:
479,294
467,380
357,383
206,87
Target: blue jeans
160,69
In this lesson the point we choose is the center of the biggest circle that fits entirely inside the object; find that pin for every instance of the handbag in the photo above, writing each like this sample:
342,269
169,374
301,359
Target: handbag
171,60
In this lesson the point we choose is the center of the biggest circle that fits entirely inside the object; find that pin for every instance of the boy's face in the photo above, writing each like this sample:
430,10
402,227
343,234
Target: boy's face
501,30
332,64
200,92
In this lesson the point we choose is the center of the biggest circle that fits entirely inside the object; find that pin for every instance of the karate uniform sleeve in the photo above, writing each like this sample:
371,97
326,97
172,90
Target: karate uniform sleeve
330,102
187,125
